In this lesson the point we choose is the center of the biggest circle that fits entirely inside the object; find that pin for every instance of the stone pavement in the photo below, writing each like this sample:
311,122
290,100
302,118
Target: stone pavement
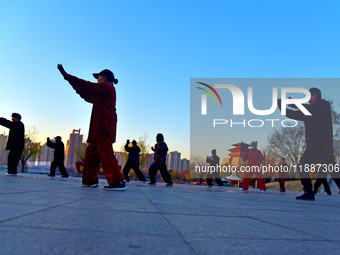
42,215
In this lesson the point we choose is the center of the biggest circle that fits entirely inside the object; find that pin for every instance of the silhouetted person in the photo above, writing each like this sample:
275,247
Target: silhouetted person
133,161
15,143
213,160
318,138
102,132
255,159
282,175
59,157
160,150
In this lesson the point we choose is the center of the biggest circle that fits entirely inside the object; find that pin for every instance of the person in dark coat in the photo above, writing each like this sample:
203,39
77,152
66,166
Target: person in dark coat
282,175
102,132
15,143
133,161
318,138
160,151
59,157
214,160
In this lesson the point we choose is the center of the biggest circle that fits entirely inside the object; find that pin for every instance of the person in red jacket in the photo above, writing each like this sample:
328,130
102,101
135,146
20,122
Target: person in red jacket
102,132
255,159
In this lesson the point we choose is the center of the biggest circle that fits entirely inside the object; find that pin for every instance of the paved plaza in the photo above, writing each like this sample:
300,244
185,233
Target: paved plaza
42,215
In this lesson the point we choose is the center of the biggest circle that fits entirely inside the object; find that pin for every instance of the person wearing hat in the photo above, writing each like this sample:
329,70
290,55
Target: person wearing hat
160,150
15,142
133,161
102,131
214,160
255,159
59,156
318,139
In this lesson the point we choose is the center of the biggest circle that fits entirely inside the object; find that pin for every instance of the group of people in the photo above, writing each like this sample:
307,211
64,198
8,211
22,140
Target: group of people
102,134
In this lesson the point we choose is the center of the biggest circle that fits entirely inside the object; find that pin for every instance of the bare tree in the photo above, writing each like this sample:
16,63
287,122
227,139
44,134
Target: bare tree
144,149
288,143
197,161
81,152
31,148
335,120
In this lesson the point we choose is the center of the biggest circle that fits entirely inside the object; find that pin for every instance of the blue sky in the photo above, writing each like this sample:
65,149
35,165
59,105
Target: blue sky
154,48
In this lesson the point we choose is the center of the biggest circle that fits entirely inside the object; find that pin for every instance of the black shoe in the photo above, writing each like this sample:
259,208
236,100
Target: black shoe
306,196
152,183
64,177
118,186
51,175
169,185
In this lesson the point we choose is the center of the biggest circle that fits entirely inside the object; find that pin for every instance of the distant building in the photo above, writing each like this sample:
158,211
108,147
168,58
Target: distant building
174,161
120,158
184,165
45,154
149,161
3,152
73,145
235,153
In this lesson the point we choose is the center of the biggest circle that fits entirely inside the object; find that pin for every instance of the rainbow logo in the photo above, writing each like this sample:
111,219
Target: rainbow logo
209,93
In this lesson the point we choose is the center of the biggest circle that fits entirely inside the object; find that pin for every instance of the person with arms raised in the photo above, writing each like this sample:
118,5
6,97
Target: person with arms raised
102,132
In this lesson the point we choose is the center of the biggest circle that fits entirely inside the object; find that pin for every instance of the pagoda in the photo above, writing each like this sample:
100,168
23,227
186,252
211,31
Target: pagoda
235,153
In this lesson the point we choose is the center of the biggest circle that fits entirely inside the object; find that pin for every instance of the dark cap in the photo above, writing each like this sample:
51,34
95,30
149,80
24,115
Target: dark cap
315,91
134,142
108,74
16,115
58,138
213,150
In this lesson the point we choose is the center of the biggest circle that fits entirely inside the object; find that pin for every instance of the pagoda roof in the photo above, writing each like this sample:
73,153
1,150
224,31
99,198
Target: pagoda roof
241,143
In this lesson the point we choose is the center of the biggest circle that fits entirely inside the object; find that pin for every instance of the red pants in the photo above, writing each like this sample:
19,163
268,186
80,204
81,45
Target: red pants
101,151
282,184
247,179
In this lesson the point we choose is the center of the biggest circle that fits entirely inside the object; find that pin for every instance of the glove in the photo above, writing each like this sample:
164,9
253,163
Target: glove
127,141
61,70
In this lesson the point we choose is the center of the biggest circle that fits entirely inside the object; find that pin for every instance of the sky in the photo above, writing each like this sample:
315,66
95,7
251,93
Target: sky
153,48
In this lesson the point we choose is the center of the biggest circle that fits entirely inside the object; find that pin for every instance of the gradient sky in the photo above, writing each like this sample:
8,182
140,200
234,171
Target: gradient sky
154,48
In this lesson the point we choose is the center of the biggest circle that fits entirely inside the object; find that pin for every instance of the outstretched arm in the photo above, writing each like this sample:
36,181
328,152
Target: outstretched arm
84,88
5,122
50,144
293,114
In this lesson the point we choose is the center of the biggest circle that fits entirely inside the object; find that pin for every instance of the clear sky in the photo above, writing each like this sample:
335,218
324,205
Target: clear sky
154,48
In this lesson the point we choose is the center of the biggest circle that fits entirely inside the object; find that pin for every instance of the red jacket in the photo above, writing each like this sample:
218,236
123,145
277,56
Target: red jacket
254,157
103,97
